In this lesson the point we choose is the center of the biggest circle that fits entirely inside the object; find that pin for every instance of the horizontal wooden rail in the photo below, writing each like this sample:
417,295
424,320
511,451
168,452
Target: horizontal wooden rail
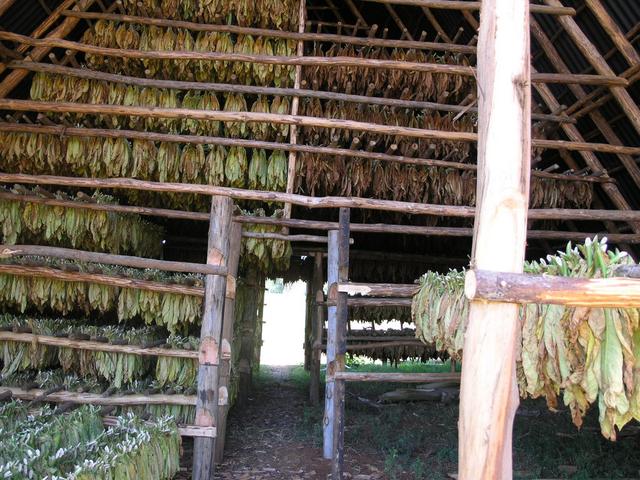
183,430
372,302
337,61
259,90
288,238
373,290
388,344
35,339
577,292
100,279
98,399
465,5
263,32
107,258
297,120
240,142
224,116
395,377
311,224
410,208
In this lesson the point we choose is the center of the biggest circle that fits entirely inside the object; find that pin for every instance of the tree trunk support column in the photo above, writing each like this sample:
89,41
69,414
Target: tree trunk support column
489,394
215,288
227,337
338,271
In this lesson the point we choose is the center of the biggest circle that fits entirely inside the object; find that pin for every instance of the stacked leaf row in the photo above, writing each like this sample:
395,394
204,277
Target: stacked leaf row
52,444
582,355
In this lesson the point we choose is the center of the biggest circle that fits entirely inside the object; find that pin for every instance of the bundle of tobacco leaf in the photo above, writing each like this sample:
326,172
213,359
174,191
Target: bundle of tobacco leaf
175,370
382,115
268,255
57,444
324,175
380,314
174,311
153,161
32,223
419,86
62,88
583,355
109,34
277,14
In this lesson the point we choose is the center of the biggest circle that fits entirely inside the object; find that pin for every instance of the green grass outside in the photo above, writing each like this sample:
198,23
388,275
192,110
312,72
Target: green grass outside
419,440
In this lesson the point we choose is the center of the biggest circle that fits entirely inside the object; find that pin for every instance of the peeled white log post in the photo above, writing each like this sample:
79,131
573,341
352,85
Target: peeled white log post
210,333
489,394
338,365
329,412
227,337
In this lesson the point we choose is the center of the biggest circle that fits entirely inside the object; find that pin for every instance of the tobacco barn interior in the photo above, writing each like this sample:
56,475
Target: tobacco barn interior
428,209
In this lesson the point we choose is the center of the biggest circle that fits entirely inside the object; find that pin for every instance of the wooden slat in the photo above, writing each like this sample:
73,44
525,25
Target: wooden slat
100,279
98,399
95,346
396,377
7,251
576,292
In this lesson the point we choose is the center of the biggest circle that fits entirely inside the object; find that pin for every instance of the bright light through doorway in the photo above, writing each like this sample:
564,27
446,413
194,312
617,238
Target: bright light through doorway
283,329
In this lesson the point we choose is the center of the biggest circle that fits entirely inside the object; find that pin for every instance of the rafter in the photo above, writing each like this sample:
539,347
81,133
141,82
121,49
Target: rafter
590,52
617,36
597,118
5,5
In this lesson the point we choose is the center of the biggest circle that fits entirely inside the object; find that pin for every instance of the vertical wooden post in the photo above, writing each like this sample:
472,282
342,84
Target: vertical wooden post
215,288
489,394
227,337
249,320
308,325
316,330
337,271
342,314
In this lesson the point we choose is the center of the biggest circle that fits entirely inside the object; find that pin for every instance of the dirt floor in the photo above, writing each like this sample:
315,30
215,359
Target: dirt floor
278,435
267,441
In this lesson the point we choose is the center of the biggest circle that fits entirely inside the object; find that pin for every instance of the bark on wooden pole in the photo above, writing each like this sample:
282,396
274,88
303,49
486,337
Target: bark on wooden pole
317,328
338,270
489,394
215,289
227,337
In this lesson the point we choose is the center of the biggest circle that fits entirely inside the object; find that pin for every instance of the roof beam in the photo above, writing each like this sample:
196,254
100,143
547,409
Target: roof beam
594,57
617,36
464,5
5,5
598,119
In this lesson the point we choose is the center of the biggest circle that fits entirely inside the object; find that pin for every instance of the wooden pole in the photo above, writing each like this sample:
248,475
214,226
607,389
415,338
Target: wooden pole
95,346
338,365
100,279
317,327
111,259
489,394
411,208
227,337
397,377
590,52
249,321
600,79
5,5
467,5
99,399
332,347
293,130
259,90
16,76
215,291
261,32
617,36
318,224
576,292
